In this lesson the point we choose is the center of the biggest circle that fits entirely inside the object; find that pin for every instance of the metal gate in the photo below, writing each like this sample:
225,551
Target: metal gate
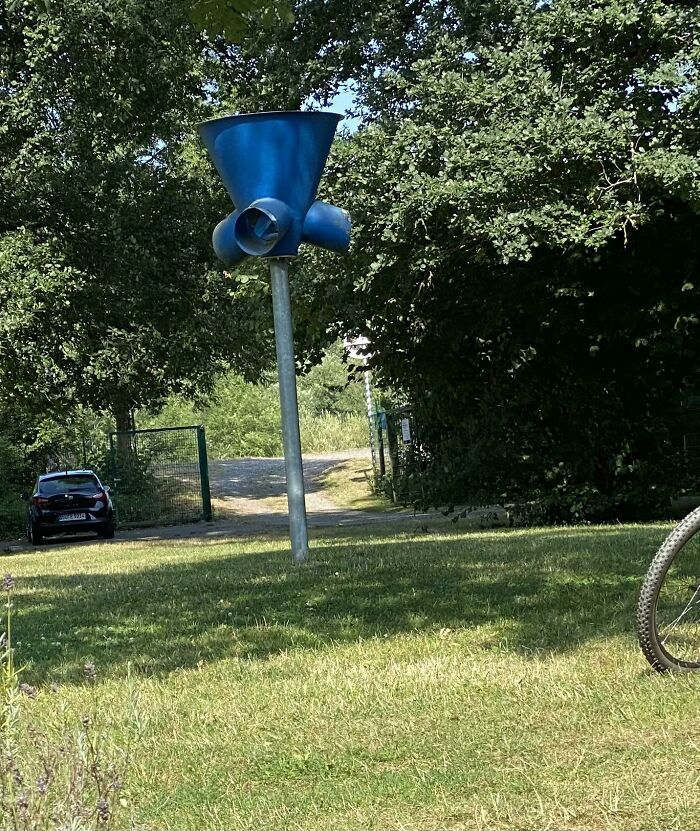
160,476
398,457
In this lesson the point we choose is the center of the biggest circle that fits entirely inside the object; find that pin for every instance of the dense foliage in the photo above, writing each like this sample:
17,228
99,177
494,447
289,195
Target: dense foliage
109,295
526,196
525,190
243,418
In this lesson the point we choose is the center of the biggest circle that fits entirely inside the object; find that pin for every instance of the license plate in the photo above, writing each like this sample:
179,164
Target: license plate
71,517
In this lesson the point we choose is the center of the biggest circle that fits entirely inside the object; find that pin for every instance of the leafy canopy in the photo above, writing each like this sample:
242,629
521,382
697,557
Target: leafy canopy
232,19
110,297
525,197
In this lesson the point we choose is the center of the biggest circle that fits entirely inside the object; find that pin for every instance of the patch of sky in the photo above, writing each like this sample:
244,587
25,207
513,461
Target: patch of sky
344,101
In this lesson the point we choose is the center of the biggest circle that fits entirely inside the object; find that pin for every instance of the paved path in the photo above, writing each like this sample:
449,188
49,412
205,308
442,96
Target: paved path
251,494
257,487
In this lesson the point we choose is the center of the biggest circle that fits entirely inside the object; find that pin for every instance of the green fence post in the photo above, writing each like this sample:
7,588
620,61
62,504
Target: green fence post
114,488
204,473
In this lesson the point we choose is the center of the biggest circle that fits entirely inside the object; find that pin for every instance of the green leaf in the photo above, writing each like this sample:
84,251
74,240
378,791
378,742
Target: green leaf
231,19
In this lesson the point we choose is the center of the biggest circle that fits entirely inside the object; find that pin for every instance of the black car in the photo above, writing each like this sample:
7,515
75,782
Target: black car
71,501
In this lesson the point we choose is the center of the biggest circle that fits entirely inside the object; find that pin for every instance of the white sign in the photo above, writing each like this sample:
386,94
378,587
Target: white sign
406,430
357,348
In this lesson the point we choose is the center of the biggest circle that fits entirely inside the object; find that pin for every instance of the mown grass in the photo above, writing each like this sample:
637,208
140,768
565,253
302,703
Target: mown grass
449,679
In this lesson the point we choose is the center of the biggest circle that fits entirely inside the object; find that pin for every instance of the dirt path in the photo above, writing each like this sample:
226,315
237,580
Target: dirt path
248,487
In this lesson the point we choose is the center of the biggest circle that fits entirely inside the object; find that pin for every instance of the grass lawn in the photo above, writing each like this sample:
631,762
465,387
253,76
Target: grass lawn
348,484
452,679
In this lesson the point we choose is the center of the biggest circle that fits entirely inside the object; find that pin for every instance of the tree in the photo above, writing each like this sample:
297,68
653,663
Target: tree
233,19
109,295
525,198
304,57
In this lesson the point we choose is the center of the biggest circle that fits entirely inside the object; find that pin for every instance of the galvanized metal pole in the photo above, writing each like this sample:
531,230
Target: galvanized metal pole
371,418
284,340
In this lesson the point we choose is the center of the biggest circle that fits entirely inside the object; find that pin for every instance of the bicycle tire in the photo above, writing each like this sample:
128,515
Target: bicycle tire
660,658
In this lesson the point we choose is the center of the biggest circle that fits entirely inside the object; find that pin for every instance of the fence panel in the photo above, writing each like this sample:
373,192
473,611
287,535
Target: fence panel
398,466
19,473
160,476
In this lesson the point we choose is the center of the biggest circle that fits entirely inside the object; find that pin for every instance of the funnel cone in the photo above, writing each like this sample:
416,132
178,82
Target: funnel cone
277,155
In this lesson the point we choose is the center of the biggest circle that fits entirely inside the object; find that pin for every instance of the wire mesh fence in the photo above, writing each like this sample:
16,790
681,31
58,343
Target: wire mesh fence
16,475
160,476
155,476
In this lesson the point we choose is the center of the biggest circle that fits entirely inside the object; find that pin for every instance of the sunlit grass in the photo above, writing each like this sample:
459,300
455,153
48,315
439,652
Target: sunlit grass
451,679
349,484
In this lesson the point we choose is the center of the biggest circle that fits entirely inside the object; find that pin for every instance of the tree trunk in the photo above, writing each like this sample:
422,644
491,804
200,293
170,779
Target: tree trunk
124,422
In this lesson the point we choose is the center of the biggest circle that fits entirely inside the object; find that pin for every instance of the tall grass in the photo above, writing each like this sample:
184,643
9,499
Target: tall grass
53,773
243,419
328,432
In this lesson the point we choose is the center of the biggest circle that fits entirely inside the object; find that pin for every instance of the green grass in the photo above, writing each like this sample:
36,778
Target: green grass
349,484
451,679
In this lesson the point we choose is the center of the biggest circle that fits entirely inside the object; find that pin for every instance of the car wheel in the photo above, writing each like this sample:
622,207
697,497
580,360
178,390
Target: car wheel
107,532
35,535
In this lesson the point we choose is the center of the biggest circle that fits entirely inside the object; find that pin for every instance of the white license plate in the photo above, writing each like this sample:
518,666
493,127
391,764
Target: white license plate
71,517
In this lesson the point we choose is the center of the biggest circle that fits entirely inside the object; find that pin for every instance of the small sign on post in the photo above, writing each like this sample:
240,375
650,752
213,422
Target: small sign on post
271,165
406,431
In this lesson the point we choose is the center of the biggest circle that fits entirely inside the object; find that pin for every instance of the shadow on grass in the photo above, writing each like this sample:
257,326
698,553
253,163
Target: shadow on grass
544,590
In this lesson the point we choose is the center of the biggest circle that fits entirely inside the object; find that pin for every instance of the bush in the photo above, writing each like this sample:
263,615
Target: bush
243,419
13,476
329,432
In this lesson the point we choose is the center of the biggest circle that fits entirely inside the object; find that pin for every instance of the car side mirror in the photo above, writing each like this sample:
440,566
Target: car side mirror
107,489
24,496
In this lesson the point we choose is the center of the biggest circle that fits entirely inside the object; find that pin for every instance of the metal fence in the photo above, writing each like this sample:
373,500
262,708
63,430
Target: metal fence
155,476
397,454
160,476
16,474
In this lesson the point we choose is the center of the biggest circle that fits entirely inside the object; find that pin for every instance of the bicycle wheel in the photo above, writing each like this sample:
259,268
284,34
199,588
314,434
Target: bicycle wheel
668,610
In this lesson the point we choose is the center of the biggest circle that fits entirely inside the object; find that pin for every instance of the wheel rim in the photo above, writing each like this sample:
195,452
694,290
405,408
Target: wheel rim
677,608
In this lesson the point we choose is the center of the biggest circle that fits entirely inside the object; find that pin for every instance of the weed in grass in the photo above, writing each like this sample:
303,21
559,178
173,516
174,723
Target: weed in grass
70,781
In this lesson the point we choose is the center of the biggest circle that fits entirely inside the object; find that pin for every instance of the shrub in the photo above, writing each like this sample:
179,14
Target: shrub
13,476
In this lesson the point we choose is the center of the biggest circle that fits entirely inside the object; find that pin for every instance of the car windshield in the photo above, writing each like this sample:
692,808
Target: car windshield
69,484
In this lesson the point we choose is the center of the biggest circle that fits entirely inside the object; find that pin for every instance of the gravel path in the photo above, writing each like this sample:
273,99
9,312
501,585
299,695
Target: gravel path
251,494
249,497
257,487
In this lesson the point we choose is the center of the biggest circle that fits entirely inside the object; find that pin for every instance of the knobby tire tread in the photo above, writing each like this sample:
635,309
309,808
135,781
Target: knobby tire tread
645,616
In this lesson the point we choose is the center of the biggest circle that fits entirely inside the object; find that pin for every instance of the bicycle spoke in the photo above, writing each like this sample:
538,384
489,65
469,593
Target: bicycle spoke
678,606
680,617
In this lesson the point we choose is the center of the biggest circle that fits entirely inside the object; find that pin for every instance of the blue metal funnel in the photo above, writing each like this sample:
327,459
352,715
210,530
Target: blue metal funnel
271,165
